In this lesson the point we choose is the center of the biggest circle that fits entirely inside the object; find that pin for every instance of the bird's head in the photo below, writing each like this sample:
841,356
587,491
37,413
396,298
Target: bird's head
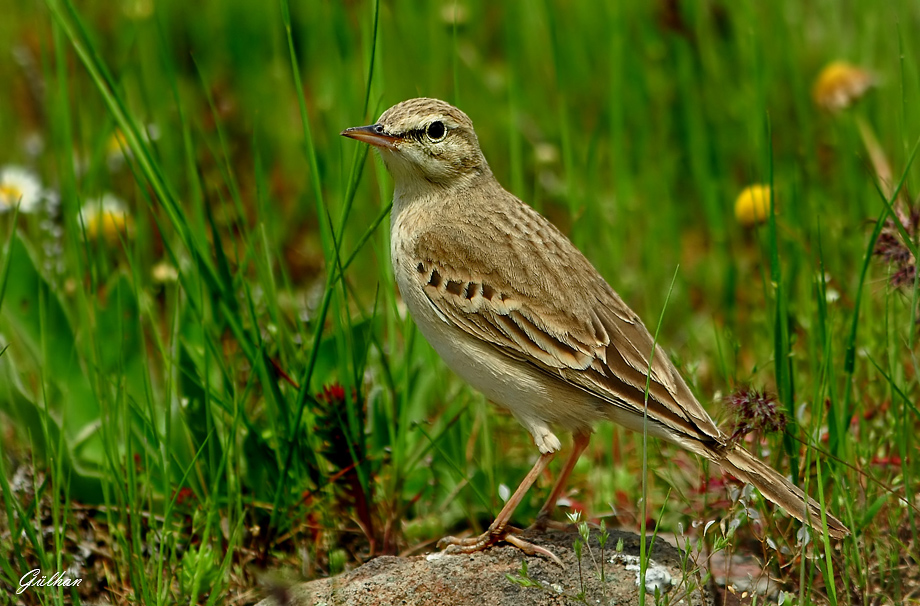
425,141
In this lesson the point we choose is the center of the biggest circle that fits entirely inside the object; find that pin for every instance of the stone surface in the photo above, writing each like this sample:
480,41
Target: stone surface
441,579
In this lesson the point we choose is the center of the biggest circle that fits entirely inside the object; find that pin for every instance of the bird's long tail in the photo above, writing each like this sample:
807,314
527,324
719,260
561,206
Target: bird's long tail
778,489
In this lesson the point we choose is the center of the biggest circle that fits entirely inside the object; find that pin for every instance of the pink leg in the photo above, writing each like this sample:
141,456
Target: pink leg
504,516
580,443
499,530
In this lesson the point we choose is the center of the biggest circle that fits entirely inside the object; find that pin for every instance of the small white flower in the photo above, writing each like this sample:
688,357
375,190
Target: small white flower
504,492
545,153
19,187
803,537
106,217
164,272
108,203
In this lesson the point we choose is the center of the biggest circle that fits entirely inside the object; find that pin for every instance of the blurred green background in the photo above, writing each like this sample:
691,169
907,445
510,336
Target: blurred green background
154,348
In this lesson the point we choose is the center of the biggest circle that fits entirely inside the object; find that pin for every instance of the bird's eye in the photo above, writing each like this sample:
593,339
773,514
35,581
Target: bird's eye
378,128
436,130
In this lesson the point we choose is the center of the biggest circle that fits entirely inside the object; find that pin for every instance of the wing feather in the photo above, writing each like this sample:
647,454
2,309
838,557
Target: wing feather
565,319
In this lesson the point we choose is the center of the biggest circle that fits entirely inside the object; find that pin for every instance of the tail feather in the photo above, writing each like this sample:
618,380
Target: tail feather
778,489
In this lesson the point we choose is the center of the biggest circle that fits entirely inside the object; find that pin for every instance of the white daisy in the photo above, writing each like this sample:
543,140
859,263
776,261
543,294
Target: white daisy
19,187
107,217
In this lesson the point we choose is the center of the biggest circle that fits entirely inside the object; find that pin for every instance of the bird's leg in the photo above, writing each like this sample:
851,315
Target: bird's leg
499,529
580,443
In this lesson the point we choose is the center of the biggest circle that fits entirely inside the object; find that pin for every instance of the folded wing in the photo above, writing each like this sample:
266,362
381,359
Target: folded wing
564,319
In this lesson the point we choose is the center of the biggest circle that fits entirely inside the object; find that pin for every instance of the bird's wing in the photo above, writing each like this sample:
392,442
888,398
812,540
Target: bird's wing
538,299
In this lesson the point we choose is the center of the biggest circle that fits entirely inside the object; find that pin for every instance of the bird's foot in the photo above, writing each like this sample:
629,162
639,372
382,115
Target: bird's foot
491,537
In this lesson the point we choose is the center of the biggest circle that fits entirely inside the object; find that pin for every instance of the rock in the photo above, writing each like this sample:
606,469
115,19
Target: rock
445,579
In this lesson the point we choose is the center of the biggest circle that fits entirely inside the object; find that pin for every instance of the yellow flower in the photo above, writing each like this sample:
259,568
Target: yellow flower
106,218
19,187
752,206
839,85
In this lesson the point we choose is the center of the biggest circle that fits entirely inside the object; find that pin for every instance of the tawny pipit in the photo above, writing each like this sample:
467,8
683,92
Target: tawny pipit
515,309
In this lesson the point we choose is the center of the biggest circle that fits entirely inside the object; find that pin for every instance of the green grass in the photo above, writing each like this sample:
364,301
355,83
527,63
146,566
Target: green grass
166,391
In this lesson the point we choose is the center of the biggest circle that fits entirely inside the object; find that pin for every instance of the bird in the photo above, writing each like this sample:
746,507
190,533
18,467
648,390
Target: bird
514,308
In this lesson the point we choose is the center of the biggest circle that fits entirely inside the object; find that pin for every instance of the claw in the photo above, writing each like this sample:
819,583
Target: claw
500,529
533,550
491,537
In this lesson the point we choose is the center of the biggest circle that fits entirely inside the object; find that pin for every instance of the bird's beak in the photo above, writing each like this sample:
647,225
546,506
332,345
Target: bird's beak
372,134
